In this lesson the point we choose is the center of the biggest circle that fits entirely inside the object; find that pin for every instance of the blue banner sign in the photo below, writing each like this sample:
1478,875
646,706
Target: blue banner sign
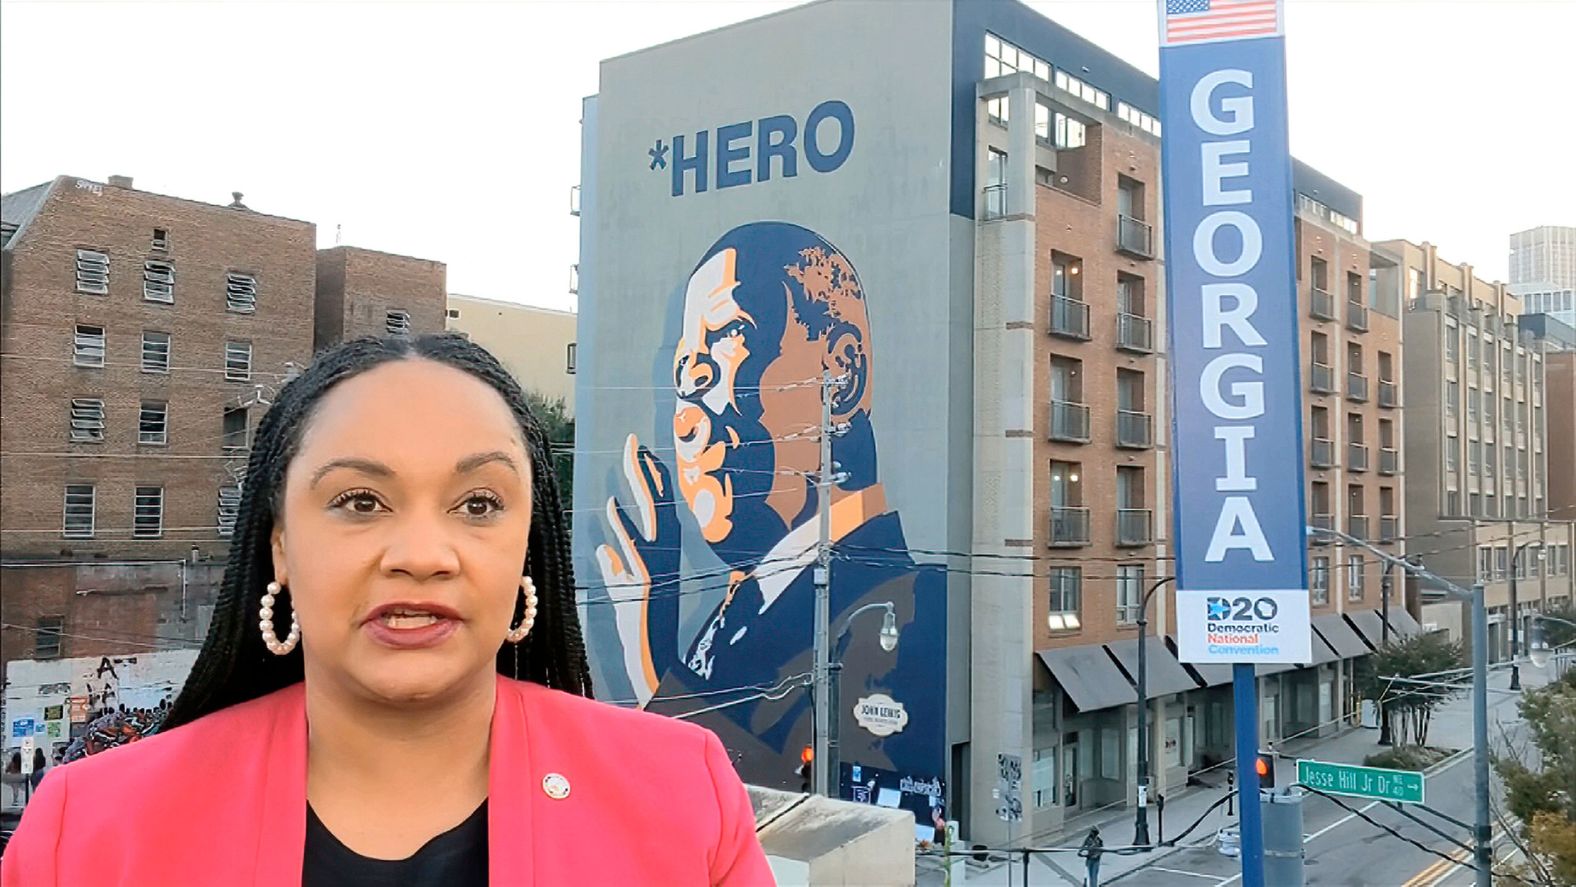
1232,298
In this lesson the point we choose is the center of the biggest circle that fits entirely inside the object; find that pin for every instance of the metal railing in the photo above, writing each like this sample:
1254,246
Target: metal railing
1135,237
1134,430
1356,316
1321,305
1357,457
1134,333
1069,317
1321,378
995,201
1069,526
1389,394
1069,421
1321,454
1134,526
1356,387
1389,460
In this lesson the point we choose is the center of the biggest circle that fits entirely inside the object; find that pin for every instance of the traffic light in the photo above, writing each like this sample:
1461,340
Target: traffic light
1264,765
806,769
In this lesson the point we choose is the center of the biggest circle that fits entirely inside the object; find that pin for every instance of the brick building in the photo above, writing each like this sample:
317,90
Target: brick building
362,292
142,337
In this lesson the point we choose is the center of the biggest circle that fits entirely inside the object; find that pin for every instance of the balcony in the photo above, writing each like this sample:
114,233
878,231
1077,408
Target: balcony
1356,457
1134,430
1389,461
1321,305
1389,394
1322,453
1135,237
1069,318
1389,528
1356,316
1134,526
995,201
1357,526
1069,527
1134,333
1321,379
1069,421
1357,387
1321,522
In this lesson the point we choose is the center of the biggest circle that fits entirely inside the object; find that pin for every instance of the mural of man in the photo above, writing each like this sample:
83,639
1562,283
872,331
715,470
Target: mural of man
768,308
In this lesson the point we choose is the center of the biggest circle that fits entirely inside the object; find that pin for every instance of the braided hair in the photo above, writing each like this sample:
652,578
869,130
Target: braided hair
234,666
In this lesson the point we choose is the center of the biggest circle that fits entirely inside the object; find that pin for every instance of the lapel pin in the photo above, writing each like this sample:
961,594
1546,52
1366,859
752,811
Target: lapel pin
556,786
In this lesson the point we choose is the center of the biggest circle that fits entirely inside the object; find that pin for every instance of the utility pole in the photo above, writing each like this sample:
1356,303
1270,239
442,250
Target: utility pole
1482,830
1385,585
1515,611
821,765
1141,817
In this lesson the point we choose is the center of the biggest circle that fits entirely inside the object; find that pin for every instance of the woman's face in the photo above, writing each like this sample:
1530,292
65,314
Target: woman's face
403,531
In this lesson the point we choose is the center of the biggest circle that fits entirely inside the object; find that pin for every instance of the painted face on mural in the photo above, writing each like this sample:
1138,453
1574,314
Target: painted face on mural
768,308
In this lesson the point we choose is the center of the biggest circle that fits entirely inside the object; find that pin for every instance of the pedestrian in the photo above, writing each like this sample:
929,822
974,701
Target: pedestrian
1090,851
13,778
40,764
400,582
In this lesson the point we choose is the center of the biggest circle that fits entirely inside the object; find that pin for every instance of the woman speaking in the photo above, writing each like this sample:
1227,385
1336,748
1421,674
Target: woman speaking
393,689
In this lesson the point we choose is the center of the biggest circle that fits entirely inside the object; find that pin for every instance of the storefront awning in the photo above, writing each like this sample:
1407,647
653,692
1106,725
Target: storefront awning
1166,674
1089,677
1402,623
1333,628
1322,651
1369,625
1213,675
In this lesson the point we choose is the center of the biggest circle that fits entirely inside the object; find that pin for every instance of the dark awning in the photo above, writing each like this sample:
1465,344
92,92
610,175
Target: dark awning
1089,677
1322,651
1402,623
1213,674
1339,635
1166,675
1368,624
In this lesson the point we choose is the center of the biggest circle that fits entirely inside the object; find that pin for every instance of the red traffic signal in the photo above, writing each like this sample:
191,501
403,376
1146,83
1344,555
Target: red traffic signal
1264,766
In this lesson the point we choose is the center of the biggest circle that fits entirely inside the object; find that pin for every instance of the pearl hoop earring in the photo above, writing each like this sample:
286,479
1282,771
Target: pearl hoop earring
265,623
518,633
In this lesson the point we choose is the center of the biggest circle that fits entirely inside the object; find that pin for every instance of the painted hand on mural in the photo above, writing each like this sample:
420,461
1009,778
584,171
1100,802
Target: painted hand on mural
640,569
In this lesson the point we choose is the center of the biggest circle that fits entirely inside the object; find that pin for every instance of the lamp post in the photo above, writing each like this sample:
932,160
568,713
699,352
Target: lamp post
1515,613
888,639
1482,829
1141,817
1385,585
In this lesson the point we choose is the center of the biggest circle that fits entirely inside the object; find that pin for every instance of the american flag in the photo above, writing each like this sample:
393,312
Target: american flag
1197,21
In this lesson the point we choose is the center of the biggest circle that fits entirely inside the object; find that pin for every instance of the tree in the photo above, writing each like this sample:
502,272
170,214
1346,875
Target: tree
1562,633
1540,788
554,416
1411,706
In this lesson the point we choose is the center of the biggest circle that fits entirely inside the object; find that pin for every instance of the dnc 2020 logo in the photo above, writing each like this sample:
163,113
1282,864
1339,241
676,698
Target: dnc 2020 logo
744,153
1241,609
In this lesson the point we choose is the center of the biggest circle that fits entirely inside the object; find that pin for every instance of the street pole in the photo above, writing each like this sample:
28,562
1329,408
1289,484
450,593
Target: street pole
1482,830
1515,614
1245,705
1141,817
820,766
1385,585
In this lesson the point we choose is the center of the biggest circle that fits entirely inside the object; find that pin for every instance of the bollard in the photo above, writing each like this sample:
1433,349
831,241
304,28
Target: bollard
1283,849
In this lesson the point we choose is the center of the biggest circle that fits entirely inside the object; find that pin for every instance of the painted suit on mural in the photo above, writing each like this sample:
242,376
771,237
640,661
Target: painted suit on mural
768,307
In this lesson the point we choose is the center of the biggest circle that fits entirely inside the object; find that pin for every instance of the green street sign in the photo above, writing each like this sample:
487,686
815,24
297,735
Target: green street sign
1402,786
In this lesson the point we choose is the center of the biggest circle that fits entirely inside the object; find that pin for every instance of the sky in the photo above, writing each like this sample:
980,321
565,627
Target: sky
449,129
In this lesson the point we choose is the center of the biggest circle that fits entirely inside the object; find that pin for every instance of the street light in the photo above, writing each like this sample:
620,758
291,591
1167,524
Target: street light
1515,612
888,640
1141,817
1538,649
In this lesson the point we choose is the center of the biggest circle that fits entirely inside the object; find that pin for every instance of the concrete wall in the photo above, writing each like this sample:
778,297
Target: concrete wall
532,343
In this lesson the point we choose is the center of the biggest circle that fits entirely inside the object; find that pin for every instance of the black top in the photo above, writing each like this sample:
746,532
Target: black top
456,858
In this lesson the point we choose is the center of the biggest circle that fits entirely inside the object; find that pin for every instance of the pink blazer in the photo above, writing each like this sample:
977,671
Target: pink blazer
223,801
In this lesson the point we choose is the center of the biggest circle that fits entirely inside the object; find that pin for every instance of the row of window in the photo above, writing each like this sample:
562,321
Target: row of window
1494,561
88,425
1319,579
1002,57
89,349
147,522
1491,506
1052,127
1320,210
158,280
1551,301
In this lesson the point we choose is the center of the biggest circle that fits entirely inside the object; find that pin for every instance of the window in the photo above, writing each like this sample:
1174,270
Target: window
155,352
1129,592
1451,446
1097,97
995,184
153,426
1130,197
89,346
1485,569
1002,58
148,518
454,313
46,640
161,240
1451,344
92,272
397,323
1130,295
1452,503
240,293
1319,269
1319,581
158,281
79,511
1143,121
1070,133
569,357
87,420
229,509
996,110
1354,577
1066,598
1066,276
238,361
235,428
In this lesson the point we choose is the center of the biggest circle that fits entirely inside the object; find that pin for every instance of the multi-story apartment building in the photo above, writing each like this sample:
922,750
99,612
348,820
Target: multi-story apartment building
142,337
536,344
955,213
1544,255
1559,402
363,292
1478,501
